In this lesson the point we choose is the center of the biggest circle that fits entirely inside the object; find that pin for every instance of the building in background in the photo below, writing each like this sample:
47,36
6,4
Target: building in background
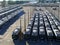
7,2
49,1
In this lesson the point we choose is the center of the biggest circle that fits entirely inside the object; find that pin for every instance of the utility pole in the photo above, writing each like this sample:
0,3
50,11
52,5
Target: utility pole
3,3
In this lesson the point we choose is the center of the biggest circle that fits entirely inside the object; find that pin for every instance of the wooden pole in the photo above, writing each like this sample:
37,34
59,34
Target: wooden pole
24,22
58,12
28,15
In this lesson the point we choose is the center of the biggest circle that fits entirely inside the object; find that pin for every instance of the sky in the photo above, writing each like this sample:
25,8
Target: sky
13,0
1,0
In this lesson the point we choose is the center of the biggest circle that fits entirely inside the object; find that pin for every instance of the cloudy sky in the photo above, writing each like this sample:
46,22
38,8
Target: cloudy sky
14,0
6,0
20,0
